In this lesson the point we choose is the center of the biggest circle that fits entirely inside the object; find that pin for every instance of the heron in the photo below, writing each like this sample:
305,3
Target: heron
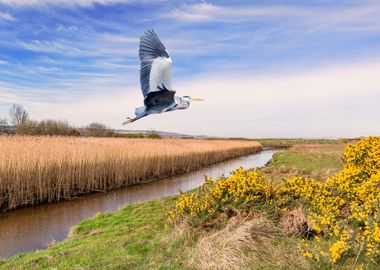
155,79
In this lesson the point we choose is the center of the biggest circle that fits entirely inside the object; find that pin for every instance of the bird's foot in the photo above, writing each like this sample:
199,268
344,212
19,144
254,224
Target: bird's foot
128,121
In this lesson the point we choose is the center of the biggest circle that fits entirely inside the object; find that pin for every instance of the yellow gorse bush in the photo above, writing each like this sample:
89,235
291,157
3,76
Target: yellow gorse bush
346,205
241,188
343,210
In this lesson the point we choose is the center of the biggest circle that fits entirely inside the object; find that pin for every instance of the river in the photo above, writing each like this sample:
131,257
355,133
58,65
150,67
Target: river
33,228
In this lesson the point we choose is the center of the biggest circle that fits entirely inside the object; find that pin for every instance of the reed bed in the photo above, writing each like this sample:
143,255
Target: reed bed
35,170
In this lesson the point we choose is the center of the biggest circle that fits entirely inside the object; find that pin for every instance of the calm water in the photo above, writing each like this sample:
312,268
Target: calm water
32,228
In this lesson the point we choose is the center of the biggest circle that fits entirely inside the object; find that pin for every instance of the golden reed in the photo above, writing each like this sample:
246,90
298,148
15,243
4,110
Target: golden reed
36,170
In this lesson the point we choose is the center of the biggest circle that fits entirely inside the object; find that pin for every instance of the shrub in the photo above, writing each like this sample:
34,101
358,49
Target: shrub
29,127
74,132
134,135
153,136
44,127
97,130
343,210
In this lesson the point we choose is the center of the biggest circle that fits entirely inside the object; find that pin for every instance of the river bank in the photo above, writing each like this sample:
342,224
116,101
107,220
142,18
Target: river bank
132,238
34,227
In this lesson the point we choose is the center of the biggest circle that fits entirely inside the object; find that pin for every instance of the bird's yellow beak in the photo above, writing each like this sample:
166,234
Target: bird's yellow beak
197,99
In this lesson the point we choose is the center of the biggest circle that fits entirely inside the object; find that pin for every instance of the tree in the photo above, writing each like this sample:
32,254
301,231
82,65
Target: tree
97,130
18,114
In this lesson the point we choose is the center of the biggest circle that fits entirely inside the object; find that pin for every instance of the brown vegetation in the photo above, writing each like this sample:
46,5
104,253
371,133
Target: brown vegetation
246,242
45,127
36,170
294,222
97,130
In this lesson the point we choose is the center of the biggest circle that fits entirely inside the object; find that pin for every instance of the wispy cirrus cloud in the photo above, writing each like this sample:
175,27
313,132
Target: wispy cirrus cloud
7,17
21,3
362,17
70,3
60,58
201,12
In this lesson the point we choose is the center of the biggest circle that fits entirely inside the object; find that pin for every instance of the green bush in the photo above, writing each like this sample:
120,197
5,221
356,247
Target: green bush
134,135
153,136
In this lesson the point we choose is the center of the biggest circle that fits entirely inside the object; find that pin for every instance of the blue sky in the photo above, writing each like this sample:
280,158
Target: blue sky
266,68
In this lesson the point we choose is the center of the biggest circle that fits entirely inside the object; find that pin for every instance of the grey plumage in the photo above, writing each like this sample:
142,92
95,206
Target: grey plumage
150,48
155,79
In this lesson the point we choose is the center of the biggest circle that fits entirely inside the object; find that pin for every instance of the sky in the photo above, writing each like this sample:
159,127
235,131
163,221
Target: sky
266,68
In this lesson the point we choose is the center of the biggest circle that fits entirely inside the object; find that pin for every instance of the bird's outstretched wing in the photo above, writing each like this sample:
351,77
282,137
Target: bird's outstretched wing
155,71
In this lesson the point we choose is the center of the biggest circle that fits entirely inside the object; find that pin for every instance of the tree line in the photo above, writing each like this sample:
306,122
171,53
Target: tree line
20,123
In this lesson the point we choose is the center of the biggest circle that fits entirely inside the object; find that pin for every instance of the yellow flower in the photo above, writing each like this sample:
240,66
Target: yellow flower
337,249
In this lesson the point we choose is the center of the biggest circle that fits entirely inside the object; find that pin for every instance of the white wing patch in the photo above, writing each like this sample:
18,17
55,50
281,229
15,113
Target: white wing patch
160,73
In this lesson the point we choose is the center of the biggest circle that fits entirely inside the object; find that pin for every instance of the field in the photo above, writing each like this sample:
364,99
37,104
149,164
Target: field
288,142
318,161
36,170
138,236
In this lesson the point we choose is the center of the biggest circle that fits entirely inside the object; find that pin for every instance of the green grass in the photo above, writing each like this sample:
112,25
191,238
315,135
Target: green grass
316,161
131,238
286,143
134,237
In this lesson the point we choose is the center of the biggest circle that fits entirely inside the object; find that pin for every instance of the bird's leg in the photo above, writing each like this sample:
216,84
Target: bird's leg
129,120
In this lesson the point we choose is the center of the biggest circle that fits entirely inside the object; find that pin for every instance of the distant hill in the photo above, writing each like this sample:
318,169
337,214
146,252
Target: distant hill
161,133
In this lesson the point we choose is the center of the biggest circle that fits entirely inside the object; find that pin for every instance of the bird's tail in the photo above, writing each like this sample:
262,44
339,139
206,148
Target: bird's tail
140,110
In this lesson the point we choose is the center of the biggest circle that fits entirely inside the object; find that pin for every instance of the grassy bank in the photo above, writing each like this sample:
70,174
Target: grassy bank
286,143
135,236
131,238
36,170
317,161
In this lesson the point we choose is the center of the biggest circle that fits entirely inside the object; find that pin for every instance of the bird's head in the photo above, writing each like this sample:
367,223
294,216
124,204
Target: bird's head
184,102
189,99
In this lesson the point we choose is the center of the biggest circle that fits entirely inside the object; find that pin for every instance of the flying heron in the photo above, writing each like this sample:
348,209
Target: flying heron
155,79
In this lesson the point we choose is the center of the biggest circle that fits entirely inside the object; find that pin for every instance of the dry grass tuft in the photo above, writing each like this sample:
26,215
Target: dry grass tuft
294,222
227,248
36,170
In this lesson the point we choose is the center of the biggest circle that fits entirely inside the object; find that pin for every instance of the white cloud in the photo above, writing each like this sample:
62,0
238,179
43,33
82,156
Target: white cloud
3,62
337,101
50,46
209,12
357,18
93,46
117,38
6,16
83,3
60,2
